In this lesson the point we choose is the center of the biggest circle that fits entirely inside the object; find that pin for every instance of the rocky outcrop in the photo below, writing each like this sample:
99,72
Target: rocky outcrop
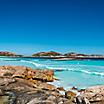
92,95
26,73
51,53
74,55
5,53
22,85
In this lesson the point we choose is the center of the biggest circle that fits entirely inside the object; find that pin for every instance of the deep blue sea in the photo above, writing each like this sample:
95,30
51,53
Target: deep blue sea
81,74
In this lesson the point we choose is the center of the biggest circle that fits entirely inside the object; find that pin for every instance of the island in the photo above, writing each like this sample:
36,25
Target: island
9,54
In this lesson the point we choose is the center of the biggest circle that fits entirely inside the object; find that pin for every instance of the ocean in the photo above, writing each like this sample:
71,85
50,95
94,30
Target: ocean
78,73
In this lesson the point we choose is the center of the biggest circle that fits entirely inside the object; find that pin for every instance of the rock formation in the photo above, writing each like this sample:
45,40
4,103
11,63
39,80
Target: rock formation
51,53
22,85
2,53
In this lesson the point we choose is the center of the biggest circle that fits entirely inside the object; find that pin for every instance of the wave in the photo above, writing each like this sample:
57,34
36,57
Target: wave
74,68
34,63
9,59
89,72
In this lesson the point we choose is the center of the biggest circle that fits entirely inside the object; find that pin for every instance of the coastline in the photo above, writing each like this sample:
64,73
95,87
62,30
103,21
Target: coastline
18,80
71,94
23,85
57,58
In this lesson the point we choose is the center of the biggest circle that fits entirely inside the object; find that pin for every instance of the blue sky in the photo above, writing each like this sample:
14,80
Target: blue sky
28,26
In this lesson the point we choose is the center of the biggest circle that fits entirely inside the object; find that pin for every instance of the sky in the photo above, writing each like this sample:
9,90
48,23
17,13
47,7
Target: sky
29,26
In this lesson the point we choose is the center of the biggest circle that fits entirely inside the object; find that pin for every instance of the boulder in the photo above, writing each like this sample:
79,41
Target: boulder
6,71
70,95
94,94
4,81
1,92
7,98
22,85
81,100
20,71
27,73
43,75
61,89
46,86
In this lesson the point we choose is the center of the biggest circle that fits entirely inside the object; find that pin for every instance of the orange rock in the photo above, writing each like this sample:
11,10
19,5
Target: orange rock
20,72
27,82
46,86
69,95
61,88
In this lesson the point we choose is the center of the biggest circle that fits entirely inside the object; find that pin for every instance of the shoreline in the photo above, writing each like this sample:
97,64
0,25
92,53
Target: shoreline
23,85
58,58
18,80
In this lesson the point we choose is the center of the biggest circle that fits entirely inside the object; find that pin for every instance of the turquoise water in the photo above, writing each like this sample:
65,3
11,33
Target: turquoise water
83,73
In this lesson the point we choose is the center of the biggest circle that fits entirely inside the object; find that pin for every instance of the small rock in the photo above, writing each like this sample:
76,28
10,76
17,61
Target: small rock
74,88
70,95
46,86
81,100
61,88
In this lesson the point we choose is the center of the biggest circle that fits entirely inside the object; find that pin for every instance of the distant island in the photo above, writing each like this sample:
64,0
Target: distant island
67,56
9,54
50,53
54,55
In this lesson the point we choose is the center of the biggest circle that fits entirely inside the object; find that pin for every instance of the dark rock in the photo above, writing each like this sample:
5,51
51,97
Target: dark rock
81,100
74,88
7,98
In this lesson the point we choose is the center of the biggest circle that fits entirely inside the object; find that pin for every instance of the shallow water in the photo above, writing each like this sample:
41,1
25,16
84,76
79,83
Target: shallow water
81,74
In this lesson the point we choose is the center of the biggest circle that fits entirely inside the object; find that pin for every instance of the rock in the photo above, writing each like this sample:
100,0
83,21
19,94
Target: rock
12,97
81,90
5,53
61,89
51,98
4,99
27,73
20,72
46,86
37,101
19,87
6,71
74,88
22,85
4,81
1,92
94,94
81,100
27,82
43,75
51,53
70,95
7,98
